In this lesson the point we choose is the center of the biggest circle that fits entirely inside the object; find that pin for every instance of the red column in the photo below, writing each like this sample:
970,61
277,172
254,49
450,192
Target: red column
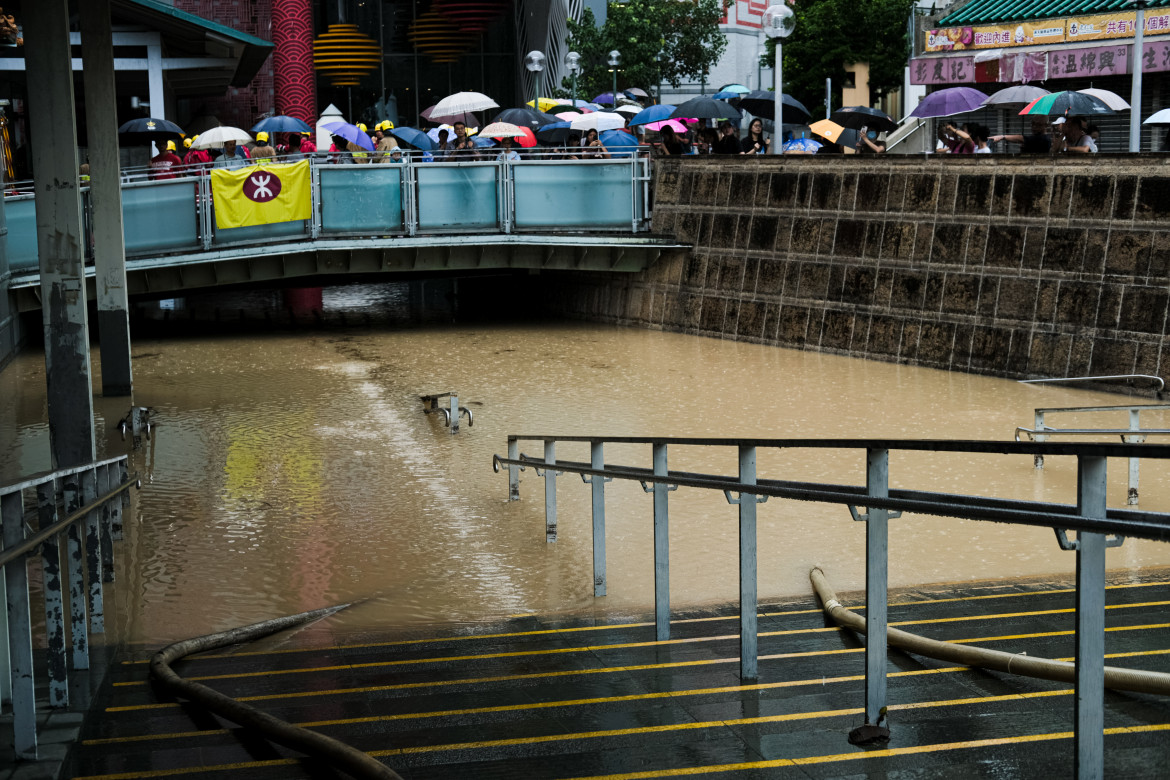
292,61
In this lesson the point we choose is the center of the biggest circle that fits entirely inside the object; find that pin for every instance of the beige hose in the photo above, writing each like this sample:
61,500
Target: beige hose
968,655
336,754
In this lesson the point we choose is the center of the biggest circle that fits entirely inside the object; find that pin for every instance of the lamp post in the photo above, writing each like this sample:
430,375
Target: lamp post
661,61
615,59
534,61
778,23
1135,95
573,63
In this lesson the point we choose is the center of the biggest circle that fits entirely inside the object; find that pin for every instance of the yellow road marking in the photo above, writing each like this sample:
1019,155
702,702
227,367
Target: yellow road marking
577,629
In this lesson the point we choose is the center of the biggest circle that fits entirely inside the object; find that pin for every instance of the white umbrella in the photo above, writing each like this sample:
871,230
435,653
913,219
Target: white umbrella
599,121
1021,95
502,130
1160,118
1111,99
462,102
216,136
629,108
569,116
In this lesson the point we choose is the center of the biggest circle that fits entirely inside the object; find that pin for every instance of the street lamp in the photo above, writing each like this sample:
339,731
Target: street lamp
534,61
615,59
661,63
778,23
1135,95
573,63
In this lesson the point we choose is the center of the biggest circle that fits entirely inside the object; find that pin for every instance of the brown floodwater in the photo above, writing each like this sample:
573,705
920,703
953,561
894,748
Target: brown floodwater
295,469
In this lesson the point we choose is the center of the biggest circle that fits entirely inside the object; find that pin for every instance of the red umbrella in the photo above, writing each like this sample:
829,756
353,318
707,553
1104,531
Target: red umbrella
528,140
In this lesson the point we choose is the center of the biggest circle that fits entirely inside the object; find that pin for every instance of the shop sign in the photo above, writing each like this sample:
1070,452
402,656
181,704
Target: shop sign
1156,57
1097,61
995,37
943,70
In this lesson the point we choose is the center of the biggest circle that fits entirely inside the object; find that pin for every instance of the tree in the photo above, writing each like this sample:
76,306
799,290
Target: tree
831,34
686,32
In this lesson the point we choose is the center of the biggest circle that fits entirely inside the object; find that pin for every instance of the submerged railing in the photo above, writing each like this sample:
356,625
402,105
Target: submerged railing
873,503
84,505
176,216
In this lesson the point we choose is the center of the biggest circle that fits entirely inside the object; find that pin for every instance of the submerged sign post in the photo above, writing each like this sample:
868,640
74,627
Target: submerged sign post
261,195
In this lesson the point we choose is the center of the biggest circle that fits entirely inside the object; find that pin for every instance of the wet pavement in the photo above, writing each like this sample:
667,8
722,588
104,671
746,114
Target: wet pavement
578,697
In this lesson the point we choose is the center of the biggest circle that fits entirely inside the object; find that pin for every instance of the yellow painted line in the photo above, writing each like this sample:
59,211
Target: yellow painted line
578,629
870,754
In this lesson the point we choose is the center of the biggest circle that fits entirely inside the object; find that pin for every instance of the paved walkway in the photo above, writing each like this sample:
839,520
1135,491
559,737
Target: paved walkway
571,699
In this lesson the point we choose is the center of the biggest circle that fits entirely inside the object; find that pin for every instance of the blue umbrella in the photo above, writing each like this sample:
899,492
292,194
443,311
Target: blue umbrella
416,138
281,124
618,139
652,114
806,145
727,94
556,133
481,141
351,133
605,98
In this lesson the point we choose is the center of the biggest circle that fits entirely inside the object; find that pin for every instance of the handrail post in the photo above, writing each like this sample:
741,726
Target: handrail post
1038,424
76,573
661,547
58,661
1089,706
748,627
93,551
24,713
877,483
550,492
454,413
1134,425
513,471
106,520
597,486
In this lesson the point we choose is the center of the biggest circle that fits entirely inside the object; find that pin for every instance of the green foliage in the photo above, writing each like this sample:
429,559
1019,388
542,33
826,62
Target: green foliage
831,34
685,31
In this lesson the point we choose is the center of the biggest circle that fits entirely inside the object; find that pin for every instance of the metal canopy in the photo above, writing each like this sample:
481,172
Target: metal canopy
981,11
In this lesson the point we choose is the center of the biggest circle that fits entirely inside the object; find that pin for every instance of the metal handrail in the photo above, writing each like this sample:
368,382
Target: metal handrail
1123,432
1157,379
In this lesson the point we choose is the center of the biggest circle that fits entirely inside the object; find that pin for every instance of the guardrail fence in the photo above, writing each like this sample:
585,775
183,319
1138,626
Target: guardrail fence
873,503
379,200
84,505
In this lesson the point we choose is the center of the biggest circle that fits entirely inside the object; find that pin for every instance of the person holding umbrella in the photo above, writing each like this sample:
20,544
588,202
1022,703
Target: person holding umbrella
1038,142
165,164
195,158
1076,140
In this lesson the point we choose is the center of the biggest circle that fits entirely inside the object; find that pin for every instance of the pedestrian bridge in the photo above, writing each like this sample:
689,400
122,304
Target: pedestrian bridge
371,219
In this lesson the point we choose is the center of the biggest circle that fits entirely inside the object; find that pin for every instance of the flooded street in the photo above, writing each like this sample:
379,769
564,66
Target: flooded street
295,469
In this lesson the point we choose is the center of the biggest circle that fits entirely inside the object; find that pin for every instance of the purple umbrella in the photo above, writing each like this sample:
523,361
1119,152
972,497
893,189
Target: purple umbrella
948,102
351,133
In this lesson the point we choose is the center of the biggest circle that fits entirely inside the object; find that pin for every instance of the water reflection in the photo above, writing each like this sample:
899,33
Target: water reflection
294,469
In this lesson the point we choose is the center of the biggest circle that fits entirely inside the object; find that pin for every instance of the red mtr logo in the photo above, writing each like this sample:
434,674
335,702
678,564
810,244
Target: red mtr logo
262,186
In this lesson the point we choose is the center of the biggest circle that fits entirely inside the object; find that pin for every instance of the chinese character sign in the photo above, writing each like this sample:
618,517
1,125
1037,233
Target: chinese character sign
1156,57
943,70
1098,61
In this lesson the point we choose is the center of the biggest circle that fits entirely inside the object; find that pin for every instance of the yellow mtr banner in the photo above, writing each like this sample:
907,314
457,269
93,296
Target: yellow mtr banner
261,194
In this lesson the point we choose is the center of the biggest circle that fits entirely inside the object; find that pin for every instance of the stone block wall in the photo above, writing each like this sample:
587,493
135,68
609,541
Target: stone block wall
1005,265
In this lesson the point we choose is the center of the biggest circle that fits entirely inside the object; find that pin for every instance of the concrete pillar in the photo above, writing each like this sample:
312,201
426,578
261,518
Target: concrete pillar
9,335
105,195
53,139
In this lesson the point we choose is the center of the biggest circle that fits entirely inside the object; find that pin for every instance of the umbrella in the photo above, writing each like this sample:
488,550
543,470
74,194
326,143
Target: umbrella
525,117
480,140
740,88
546,104
1020,95
948,102
634,92
568,116
527,138
1111,99
599,121
444,119
801,146
762,103
217,136
727,94
618,139
831,131
605,98
1067,103
416,138
556,133
351,133
281,124
502,130
1160,118
706,108
673,124
143,131
464,102
856,117
652,114
630,109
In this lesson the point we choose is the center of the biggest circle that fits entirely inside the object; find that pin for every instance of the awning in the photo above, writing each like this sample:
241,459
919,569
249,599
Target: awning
984,11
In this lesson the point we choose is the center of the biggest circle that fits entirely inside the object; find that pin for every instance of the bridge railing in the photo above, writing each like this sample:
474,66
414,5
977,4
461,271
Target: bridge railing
873,502
176,216
82,507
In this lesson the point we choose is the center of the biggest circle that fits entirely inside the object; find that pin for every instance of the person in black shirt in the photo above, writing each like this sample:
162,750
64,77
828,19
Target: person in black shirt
753,142
727,143
1037,142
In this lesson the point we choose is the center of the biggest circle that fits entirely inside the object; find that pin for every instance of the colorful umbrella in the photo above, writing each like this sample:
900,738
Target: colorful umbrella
673,124
652,114
618,139
740,88
527,138
727,94
546,104
605,98
1019,95
831,131
801,146
503,130
856,117
568,116
948,102
281,124
1067,103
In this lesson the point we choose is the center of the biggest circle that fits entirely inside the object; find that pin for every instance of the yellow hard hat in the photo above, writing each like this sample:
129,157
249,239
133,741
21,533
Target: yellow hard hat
262,136
170,146
385,124
306,132
361,127
187,142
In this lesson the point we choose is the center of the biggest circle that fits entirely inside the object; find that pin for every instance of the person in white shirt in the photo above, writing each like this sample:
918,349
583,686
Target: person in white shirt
507,152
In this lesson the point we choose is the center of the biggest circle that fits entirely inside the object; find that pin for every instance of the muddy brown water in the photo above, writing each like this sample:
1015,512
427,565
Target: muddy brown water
291,470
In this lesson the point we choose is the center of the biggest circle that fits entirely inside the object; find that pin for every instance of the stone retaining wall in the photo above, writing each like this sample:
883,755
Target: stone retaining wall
1001,265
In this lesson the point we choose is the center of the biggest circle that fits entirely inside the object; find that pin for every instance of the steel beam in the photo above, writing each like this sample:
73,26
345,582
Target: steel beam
105,196
748,626
53,140
597,488
877,483
550,493
1090,656
513,471
661,547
